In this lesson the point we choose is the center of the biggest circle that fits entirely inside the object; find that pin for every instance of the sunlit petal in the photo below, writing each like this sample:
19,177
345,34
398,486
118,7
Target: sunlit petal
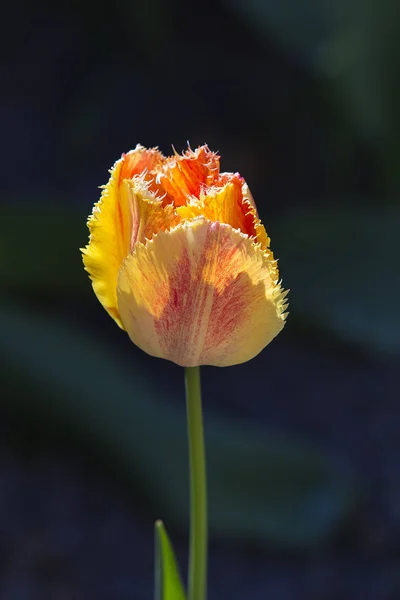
232,204
110,226
181,177
201,293
148,213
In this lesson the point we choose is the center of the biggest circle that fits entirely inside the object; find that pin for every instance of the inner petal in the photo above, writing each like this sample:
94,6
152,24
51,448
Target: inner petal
138,160
180,177
231,204
148,214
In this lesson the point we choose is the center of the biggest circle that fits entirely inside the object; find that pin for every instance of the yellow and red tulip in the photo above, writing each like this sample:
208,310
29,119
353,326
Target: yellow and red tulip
179,258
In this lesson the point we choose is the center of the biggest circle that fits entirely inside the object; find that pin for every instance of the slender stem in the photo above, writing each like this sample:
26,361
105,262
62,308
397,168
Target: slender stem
197,585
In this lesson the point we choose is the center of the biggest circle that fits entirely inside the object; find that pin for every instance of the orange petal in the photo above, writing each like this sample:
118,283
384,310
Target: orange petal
110,228
181,177
201,293
138,160
232,204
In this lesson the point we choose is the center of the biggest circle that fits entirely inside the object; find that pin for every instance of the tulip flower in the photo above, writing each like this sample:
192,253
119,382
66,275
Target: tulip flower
179,259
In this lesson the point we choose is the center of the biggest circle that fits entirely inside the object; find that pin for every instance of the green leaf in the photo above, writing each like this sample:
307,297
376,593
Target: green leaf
343,266
168,583
263,488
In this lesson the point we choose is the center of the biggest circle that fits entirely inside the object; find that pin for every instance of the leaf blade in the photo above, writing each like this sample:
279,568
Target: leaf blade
168,582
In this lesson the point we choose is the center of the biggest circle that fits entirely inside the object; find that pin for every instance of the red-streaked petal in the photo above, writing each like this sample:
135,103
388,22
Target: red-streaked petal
110,226
201,293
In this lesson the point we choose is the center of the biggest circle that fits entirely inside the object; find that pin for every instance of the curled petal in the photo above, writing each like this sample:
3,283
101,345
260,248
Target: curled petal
110,226
200,293
232,204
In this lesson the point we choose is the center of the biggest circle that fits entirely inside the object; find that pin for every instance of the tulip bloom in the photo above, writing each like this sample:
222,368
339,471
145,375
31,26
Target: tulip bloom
179,258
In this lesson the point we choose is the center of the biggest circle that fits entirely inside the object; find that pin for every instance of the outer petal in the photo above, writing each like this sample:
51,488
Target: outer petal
201,293
110,228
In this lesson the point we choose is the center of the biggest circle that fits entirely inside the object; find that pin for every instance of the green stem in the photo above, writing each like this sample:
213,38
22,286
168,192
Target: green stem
197,584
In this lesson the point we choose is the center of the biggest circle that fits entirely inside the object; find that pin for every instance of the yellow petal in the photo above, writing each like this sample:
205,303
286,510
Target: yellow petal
200,293
232,204
110,227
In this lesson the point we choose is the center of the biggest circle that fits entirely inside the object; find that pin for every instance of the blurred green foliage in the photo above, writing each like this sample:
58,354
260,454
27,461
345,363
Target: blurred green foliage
48,262
353,47
261,487
341,265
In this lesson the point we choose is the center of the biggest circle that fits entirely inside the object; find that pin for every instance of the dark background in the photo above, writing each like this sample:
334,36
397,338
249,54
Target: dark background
302,98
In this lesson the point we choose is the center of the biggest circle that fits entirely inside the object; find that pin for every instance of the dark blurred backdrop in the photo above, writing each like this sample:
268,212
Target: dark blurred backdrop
302,98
